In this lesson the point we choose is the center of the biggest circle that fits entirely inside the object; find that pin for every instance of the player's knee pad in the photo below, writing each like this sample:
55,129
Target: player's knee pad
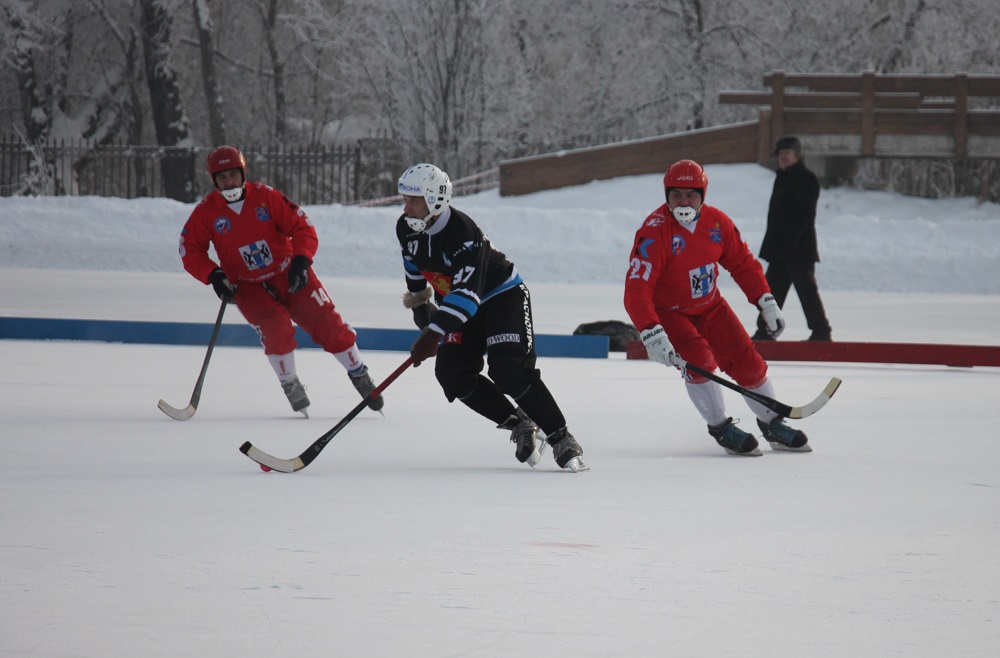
750,371
513,373
455,384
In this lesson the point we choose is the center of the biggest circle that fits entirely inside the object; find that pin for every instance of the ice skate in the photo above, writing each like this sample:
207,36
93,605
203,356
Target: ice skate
567,452
734,440
783,437
363,383
524,435
296,394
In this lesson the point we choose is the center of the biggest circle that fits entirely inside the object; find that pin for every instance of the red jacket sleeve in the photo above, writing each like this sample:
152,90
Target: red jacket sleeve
650,250
195,239
746,270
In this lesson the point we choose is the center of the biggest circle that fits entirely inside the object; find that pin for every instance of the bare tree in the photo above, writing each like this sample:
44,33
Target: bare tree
167,107
28,35
209,75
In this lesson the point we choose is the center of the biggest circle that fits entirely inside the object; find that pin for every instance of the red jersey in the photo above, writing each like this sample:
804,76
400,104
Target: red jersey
253,245
672,267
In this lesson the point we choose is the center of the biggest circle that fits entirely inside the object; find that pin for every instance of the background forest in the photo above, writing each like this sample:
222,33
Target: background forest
463,83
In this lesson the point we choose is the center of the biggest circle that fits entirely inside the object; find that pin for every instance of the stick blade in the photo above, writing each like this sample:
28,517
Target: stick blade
177,414
272,462
817,404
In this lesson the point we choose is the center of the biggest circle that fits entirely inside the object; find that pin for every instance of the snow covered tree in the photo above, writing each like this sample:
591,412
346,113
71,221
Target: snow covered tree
166,105
209,73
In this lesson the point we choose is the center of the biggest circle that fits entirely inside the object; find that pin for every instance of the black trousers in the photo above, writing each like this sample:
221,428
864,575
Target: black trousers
502,331
781,276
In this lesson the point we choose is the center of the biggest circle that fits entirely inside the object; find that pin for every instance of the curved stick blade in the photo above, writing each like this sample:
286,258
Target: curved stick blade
177,414
818,403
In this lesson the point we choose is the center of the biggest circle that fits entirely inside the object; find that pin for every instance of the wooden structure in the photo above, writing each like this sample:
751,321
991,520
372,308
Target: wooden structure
724,145
878,116
837,116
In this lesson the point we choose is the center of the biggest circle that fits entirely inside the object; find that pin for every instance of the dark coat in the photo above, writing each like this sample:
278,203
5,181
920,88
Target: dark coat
791,217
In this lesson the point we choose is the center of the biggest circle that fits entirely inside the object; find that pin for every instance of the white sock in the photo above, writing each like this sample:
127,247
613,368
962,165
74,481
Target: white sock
707,398
766,415
351,359
284,366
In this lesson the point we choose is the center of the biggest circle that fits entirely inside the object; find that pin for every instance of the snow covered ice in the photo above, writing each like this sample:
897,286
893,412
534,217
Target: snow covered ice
125,533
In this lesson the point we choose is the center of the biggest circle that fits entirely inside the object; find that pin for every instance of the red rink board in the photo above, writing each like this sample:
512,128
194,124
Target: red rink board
918,353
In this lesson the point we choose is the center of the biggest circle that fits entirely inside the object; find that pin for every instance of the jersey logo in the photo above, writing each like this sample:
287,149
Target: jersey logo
222,225
678,245
641,249
454,338
257,255
702,281
715,235
262,213
655,220
440,283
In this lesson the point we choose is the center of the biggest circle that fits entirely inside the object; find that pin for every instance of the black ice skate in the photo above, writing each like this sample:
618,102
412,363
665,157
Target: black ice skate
567,452
524,434
296,394
363,383
783,437
734,440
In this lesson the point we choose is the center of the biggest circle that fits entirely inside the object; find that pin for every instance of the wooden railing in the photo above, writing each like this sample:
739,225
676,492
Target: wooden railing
870,115
847,115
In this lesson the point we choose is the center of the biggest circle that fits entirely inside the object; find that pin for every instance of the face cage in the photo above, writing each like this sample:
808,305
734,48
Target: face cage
685,214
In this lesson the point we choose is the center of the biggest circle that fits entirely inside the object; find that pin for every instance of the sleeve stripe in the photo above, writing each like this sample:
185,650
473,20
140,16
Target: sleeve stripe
458,301
458,314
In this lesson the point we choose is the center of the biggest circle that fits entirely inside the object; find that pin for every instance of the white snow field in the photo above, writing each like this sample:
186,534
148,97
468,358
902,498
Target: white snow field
125,533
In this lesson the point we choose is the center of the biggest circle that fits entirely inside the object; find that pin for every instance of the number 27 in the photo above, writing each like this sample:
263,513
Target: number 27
640,268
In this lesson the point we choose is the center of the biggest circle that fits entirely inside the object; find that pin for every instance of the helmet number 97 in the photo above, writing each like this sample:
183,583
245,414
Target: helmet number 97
640,269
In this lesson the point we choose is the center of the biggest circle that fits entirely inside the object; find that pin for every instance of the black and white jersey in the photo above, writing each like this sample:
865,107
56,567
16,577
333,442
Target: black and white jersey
460,263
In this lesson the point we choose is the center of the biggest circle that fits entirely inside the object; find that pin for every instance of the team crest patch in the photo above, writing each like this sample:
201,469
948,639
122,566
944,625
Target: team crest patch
222,225
262,213
702,281
454,338
257,255
715,235
678,245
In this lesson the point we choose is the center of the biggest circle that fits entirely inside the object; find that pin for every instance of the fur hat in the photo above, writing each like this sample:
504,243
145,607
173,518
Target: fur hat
789,142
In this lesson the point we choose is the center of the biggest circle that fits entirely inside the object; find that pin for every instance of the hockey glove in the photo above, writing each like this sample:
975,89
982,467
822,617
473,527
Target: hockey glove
422,314
659,348
298,274
425,347
225,290
773,318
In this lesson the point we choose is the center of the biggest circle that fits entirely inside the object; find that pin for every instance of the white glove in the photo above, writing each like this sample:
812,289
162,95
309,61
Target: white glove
771,314
659,348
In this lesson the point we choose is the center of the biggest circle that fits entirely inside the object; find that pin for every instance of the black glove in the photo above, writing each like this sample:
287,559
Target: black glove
298,273
422,314
225,290
425,347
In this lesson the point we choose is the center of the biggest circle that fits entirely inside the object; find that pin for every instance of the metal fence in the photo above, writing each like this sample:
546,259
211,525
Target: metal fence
309,174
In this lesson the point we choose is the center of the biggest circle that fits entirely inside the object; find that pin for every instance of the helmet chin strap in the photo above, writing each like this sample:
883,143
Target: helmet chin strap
685,214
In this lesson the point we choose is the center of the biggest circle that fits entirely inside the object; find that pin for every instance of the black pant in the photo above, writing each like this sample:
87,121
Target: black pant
781,276
502,330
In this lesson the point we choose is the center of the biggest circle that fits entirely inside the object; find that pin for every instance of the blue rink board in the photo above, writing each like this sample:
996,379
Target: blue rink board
243,335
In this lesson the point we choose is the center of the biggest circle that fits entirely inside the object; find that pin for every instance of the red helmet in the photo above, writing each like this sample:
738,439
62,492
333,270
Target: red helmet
225,158
687,174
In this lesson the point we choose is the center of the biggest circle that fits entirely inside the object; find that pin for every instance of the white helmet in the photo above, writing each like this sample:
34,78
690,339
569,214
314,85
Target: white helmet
427,181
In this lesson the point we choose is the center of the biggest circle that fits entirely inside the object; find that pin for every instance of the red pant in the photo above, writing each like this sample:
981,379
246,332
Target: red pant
271,309
714,338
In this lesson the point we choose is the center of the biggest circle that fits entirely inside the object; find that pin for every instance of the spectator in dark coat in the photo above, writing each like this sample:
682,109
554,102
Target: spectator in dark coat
789,244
